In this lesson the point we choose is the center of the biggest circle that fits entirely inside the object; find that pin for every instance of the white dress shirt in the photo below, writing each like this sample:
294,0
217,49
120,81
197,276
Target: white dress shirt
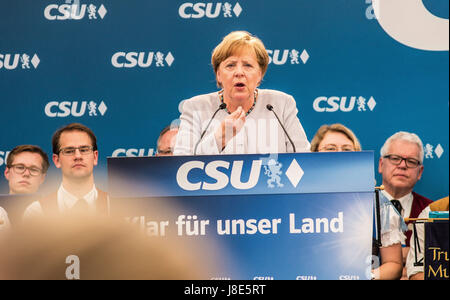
392,224
406,202
65,200
261,133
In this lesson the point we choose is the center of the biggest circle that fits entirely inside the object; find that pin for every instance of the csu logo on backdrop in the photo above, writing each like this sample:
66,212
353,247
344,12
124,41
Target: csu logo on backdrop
75,109
344,104
3,157
431,151
132,152
73,10
282,57
209,10
142,59
20,61
224,173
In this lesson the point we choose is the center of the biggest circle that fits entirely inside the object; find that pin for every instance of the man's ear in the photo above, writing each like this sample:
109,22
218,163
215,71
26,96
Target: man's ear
380,165
420,172
55,159
6,173
95,157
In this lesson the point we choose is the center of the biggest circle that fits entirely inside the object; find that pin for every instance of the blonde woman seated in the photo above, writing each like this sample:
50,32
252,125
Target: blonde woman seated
337,137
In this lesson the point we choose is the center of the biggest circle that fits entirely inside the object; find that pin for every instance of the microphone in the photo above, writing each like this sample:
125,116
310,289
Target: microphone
270,107
221,106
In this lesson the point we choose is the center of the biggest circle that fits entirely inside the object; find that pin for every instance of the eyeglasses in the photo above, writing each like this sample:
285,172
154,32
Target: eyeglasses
335,148
397,160
69,151
19,169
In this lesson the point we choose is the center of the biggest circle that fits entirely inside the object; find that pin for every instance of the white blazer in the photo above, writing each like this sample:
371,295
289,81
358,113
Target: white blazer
261,133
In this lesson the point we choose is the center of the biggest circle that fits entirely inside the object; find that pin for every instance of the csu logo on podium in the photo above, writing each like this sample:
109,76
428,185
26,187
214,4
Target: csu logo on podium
222,173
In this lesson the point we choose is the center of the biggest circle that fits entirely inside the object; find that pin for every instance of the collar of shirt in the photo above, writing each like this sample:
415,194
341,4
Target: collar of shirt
66,200
405,201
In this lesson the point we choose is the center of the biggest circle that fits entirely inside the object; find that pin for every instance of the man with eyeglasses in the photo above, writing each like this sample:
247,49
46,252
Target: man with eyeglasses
75,153
26,167
401,167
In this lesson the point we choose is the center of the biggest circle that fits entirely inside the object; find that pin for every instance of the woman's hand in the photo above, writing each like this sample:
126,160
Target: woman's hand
230,126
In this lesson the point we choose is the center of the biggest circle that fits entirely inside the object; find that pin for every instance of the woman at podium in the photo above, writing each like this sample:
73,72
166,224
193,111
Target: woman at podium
240,117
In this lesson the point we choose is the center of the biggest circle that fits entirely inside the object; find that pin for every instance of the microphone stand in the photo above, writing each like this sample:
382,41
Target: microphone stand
221,106
378,216
270,107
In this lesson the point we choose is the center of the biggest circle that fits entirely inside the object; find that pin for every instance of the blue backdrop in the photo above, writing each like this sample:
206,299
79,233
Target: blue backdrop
123,67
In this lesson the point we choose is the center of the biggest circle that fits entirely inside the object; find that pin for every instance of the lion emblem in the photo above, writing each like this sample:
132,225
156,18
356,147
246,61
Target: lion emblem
273,171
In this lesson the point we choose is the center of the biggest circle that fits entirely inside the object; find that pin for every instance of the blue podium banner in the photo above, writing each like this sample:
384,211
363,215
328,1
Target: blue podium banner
286,216
241,174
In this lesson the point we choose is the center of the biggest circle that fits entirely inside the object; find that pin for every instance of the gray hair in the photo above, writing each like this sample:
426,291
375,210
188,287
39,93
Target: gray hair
404,136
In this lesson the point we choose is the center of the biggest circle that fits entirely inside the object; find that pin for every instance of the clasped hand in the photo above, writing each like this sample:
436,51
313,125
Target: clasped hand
229,127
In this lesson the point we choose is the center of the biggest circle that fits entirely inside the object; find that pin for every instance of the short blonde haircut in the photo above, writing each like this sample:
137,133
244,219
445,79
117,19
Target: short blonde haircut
324,129
236,41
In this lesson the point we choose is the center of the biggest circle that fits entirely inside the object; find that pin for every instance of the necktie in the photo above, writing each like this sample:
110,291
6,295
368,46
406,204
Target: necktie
397,205
80,206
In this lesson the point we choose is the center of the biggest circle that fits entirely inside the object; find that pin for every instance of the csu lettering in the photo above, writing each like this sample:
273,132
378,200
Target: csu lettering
141,59
212,171
5,61
3,157
75,109
344,104
74,11
132,152
66,11
210,10
131,59
14,61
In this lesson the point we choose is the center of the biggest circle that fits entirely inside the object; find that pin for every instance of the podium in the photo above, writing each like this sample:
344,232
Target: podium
277,216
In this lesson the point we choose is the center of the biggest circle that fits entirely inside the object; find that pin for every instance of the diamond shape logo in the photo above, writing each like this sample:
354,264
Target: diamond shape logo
304,56
294,173
371,103
102,108
237,9
169,59
102,11
35,61
439,150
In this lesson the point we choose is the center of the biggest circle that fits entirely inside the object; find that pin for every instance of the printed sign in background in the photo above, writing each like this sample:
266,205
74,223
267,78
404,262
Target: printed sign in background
436,250
123,67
